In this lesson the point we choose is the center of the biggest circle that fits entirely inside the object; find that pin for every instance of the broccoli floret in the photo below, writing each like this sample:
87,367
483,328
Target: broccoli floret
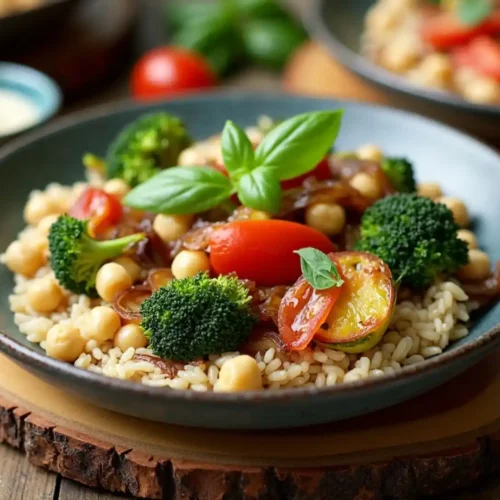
75,256
416,237
194,317
399,171
146,146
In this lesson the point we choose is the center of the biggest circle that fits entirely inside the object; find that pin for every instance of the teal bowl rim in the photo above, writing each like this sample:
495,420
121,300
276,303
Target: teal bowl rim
42,362
51,92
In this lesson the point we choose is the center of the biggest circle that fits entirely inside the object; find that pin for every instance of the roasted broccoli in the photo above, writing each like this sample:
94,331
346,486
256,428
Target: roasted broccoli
194,317
399,171
146,146
416,237
75,256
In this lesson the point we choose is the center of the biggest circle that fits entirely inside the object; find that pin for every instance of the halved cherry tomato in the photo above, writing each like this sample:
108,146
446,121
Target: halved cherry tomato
482,54
263,250
444,31
321,173
303,311
100,208
169,70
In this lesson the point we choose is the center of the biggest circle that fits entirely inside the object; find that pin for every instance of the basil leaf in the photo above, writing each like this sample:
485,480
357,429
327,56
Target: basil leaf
237,150
474,12
298,144
260,189
317,268
181,190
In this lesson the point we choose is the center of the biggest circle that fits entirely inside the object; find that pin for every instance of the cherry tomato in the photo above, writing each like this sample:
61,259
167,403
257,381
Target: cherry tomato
321,173
303,310
482,54
444,31
263,250
100,208
170,70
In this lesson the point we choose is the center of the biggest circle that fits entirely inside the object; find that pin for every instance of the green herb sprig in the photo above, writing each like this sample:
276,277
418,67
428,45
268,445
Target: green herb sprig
318,269
292,148
474,12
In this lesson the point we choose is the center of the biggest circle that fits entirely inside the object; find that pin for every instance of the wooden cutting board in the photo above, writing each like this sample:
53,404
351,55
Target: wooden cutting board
446,439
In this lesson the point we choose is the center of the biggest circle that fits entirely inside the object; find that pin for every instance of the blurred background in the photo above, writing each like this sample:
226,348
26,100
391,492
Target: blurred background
91,47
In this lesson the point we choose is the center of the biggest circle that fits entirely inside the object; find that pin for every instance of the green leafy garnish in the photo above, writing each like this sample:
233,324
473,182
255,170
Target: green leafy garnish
318,269
292,148
474,12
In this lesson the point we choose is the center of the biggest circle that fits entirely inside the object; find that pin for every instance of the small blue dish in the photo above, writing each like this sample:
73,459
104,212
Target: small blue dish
33,85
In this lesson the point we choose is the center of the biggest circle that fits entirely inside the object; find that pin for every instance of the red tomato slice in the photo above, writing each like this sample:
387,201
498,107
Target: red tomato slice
444,31
482,54
100,208
303,310
263,250
321,173
169,70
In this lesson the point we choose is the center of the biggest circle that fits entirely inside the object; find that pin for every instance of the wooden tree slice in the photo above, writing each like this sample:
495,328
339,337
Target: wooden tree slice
444,440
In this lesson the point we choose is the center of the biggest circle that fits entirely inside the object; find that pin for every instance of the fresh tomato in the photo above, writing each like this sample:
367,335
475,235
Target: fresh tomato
444,31
263,250
170,70
303,310
482,54
321,172
100,208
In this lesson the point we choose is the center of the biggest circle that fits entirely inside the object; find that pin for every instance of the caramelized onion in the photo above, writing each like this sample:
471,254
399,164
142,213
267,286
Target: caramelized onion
347,168
159,278
486,290
168,367
127,303
263,338
267,302
331,191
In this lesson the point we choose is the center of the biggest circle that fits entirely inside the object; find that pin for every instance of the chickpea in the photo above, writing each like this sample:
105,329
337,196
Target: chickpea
101,324
328,218
482,91
23,259
239,374
171,227
366,185
458,209
401,54
478,267
116,187
259,215
430,190
39,206
46,223
131,266
370,152
44,294
130,336
469,237
64,342
111,279
188,263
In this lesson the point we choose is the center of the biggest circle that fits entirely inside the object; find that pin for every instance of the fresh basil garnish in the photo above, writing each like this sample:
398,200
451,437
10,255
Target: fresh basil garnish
260,189
237,150
181,190
474,12
317,268
291,149
297,145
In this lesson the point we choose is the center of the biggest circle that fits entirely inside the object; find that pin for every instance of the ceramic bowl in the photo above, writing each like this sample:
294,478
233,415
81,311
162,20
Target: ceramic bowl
465,167
35,86
339,26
